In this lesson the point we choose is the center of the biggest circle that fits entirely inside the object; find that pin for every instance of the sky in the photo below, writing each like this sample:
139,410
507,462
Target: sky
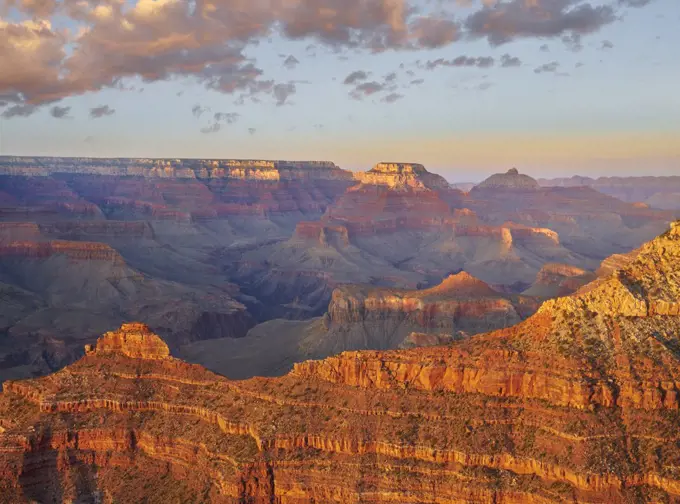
466,87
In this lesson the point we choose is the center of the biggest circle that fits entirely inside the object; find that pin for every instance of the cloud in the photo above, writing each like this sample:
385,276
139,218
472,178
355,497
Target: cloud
635,3
505,21
226,117
59,112
109,42
606,44
547,68
213,128
198,111
392,97
283,91
460,61
291,62
417,82
252,131
366,89
508,61
101,111
356,76
19,111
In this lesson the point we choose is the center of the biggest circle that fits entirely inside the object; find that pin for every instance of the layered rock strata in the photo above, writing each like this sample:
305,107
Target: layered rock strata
579,403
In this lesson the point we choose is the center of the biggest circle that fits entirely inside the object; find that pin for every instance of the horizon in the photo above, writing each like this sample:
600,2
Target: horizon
473,179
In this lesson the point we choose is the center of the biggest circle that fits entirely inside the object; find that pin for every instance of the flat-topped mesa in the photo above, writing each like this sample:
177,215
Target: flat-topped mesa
134,340
248,169
401,176
511,180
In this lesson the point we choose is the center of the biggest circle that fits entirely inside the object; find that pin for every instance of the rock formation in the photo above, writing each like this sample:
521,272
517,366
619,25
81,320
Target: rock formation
556,280
361,317
657,192
402,175
578,403
510,181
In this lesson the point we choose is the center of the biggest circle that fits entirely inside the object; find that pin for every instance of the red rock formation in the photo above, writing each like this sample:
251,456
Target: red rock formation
460,303
321,233
136,341
555,280
76,251
578,403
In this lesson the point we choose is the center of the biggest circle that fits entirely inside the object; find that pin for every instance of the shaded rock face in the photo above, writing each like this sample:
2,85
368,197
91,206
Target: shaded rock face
578,403
361,317
656,192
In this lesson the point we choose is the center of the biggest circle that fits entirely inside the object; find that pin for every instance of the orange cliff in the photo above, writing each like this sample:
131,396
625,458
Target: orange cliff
579,403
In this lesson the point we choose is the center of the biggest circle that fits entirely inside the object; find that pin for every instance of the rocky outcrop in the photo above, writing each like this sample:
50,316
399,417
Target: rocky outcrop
136,341
510,181
402,175
460,303
555,280
321,233
75,251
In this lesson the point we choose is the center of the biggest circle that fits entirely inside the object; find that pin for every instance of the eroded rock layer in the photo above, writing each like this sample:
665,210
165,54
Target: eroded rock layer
579,403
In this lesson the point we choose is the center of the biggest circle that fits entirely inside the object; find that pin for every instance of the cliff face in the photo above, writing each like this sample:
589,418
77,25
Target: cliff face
402,175
578,403
173,168
460,303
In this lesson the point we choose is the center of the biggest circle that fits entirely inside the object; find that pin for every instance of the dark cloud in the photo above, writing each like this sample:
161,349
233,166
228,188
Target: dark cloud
635,3
391,77
512,19
366,89
283,91
226,117
508,61
606,44
252,131
19,111
291,62
213,128
59,112
547,68
198,111
417,82
101,111
460,61
392,97
356,76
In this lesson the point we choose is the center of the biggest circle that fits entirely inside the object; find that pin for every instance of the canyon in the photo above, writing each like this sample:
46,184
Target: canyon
576,403
219,255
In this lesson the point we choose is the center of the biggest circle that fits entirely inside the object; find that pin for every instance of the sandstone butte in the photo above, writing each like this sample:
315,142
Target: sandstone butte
578,403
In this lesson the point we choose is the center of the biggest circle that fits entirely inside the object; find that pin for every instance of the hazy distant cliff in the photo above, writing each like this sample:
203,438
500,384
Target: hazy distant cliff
174,168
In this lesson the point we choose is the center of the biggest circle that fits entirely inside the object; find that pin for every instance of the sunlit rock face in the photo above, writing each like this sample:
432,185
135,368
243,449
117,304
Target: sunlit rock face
578,403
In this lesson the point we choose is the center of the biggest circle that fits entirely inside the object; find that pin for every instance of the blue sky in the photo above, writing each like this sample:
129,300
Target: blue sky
602,103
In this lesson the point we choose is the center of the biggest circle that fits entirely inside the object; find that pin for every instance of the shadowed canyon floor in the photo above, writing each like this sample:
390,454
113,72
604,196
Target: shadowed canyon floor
578,403
203,250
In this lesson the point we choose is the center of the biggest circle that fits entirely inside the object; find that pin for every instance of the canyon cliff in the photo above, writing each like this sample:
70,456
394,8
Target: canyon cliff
578,403
365,317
